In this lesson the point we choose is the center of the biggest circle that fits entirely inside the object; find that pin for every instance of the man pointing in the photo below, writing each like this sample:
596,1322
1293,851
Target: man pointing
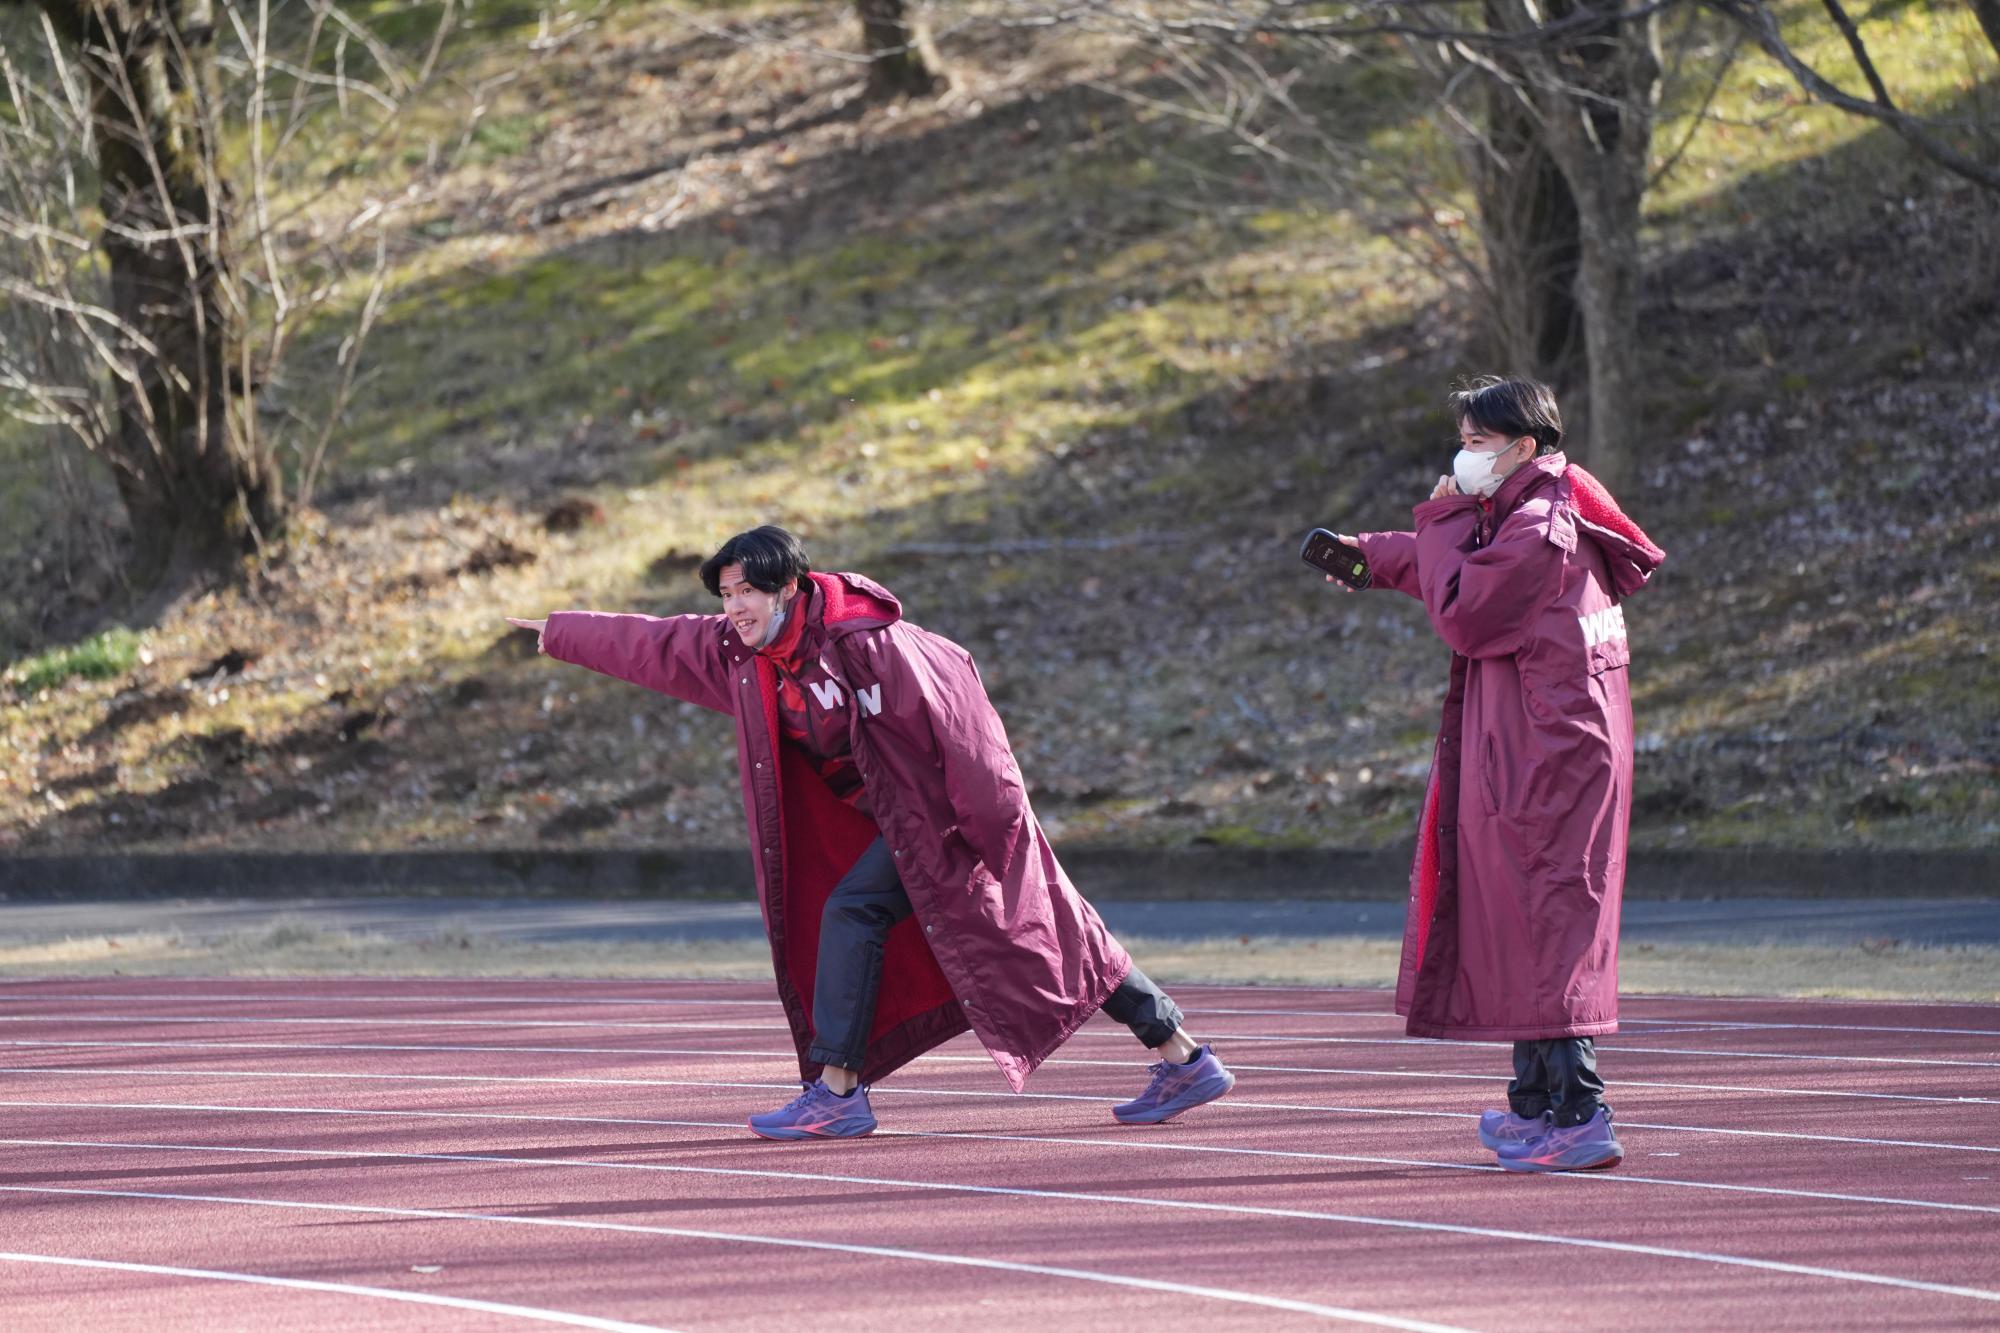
907,890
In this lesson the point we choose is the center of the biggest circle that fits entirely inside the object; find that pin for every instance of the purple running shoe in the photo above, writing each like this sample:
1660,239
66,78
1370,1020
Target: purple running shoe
1177,1088
1590,1146
1498,1129
818,1113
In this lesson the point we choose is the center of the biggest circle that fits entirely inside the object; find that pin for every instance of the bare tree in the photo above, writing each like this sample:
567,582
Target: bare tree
1530,233
145,334
197,487
1553,104
898,65
1928,139
1588,71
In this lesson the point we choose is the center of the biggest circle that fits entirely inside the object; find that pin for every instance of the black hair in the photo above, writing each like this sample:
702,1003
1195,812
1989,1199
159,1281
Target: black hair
1512,408
770,556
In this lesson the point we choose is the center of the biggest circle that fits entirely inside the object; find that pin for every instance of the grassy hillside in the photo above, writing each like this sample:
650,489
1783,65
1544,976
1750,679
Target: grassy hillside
1072,381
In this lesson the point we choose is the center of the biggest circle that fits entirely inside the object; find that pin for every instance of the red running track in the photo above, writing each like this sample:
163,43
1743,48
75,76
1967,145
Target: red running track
419,1154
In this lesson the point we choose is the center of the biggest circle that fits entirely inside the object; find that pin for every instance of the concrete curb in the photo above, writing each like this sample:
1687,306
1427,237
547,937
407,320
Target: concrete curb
1325,874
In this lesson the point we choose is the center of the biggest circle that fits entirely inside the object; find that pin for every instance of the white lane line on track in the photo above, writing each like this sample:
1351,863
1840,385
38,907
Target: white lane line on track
1251,989
1086,1034
740,1238
1602,1045
516,1000
433,980
1382,1015
144,1020
1227,1104
1648,998
1643,997
39,1044
1591,1178
1729,1025
345,1289
1371,1015
1073,1196
147,998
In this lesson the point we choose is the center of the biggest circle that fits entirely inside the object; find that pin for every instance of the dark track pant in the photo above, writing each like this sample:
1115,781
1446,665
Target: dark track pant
867,902
1558,1075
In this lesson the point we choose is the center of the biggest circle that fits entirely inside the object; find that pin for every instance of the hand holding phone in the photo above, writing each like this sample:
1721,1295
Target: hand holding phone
1338,558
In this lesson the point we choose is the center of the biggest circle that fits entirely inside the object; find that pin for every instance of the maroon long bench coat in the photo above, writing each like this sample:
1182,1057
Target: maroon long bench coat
999,940
1512,927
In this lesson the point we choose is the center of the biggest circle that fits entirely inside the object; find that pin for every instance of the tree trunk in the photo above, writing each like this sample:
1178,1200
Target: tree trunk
1528,223
200,485
1988,12
897,66
1608,290
1594,90
1604,152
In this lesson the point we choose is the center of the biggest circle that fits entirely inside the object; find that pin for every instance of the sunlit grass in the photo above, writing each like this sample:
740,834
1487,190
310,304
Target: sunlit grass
103,656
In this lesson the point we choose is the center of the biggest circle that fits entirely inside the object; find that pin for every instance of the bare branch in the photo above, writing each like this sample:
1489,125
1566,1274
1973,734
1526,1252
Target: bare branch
1757,19
84,312
349,360
1859,49
1700,115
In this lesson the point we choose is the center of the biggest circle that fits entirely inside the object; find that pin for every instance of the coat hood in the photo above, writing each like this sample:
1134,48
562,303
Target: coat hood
1628,552
849,602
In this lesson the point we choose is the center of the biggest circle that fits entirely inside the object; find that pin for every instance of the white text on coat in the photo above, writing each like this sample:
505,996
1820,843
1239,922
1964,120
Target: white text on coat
1602,626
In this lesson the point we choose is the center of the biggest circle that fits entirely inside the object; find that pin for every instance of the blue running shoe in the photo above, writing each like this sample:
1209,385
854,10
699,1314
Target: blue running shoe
1590,1146
818,1113
1499,1129
1176,1088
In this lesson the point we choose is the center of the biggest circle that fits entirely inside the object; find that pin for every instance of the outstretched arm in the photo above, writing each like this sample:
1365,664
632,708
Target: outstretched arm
681,656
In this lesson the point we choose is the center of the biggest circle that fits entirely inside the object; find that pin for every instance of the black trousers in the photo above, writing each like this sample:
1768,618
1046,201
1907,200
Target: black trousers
1558,1075
864,906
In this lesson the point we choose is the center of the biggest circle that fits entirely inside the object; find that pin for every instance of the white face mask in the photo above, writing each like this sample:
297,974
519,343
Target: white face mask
777,625
1473,471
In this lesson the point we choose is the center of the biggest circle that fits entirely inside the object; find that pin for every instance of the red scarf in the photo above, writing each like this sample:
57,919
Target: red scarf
827,746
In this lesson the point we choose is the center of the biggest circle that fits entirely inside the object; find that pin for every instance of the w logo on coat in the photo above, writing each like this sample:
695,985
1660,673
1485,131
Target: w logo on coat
1602,626
829,696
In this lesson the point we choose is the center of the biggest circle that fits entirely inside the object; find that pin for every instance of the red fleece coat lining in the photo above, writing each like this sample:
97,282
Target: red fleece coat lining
822,838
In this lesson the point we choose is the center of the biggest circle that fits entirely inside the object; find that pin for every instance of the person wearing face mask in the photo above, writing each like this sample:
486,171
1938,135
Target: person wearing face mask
908,892
1523,562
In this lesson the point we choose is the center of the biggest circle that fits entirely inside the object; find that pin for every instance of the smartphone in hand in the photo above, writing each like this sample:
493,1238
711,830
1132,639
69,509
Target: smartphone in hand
1343,560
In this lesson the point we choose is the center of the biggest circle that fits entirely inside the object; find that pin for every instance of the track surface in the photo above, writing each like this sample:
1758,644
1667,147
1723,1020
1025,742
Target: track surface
417,1154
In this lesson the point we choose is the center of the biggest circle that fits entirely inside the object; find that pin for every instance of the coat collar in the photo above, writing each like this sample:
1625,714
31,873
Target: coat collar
1524,481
